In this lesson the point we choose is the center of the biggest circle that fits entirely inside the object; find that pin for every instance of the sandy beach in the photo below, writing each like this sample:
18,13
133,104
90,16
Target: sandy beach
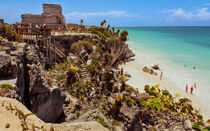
140,78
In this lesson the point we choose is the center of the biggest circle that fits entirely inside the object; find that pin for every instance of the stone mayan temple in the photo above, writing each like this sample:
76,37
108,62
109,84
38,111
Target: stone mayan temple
52,16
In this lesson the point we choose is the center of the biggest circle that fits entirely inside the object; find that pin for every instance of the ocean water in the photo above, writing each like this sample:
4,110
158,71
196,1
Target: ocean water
177,50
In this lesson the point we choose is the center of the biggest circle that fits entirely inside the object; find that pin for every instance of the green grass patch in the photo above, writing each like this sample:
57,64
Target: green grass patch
6,86
60,77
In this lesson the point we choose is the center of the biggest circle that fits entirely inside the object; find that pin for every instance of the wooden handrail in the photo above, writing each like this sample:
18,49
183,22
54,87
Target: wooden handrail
38,32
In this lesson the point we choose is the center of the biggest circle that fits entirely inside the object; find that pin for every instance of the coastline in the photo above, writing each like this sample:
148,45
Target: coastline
139,79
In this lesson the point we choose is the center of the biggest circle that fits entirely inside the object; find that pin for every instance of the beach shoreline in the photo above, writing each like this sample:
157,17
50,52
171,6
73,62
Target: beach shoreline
139,79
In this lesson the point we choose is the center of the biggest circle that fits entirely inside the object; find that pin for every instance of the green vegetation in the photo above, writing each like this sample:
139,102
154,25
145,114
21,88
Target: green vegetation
60,77
81,45
91,68
73,69
6,86
61,66
23,117
102,122
198,128
130,101
130,89
123,35
163,100
102,33
1,49
9,33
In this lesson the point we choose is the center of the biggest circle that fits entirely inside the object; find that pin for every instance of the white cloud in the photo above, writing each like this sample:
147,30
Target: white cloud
200,14
109,13
181,13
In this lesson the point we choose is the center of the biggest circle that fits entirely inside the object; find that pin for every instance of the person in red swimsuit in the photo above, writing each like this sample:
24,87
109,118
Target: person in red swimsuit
191,90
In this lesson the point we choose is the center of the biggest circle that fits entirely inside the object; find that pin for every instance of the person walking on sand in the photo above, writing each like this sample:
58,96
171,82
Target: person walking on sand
195,85
191,90
186,88
161,75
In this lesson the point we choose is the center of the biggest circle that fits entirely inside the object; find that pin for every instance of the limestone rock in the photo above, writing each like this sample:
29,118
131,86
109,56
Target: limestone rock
155,67
91,115
34,91
150,71
7,68
130,116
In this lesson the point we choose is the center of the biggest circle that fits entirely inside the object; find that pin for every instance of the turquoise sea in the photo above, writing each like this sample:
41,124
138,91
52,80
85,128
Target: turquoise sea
177,50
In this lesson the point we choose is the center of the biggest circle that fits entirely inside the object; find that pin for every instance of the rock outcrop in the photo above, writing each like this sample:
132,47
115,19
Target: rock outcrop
150,71
34,90
8,117
7,66
155,67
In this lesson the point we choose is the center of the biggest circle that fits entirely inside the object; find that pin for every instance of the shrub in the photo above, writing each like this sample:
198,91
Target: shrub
82,44
102,33
61,66
9,33
60,77
123,35
163,100
91,68
131,89
129,101
196,127
7,86
73,69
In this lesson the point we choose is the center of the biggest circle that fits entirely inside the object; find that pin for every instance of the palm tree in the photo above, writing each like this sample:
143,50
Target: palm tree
118,31
104,23
81,21
113,29
123,35
108,26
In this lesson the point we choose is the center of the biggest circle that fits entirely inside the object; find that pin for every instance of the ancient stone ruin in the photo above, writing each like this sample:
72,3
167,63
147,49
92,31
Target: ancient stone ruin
52,16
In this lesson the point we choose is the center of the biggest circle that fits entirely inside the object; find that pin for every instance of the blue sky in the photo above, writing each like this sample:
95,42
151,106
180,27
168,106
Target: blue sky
117,12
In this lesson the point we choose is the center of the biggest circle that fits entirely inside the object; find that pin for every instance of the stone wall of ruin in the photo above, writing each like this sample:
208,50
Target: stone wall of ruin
52,9
52,16
31,19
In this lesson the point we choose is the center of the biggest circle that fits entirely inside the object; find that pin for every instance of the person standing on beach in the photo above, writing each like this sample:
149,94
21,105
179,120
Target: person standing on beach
195,85
191,90
186,88
161,75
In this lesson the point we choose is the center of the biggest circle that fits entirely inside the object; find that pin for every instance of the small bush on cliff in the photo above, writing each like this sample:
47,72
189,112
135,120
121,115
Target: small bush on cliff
123,35
101,32
73,69
91,68
163,100
81,45
9,33
61,66
6,86
130,101
60,77
198,128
